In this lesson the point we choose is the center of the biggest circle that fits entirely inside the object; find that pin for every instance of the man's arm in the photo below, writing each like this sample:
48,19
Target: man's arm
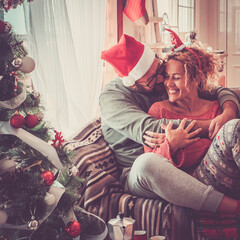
226,94
229,102
230,111
126,114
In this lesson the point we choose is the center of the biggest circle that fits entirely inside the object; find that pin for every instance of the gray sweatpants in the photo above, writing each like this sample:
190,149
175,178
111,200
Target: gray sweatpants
153,176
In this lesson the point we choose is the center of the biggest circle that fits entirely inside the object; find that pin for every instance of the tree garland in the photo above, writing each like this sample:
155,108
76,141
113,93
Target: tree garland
6,5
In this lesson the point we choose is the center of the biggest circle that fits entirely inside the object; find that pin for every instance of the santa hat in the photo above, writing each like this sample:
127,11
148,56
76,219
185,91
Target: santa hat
178,45
130,59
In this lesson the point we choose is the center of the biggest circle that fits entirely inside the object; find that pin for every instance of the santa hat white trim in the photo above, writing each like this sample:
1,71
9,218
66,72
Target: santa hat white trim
140,69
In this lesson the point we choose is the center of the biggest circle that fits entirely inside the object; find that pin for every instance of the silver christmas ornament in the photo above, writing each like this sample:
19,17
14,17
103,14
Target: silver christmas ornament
36,94
28,65
17,62
33,224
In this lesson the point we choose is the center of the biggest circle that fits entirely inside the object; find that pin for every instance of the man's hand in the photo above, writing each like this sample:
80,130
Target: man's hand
154,139
180,137
204,125
230,111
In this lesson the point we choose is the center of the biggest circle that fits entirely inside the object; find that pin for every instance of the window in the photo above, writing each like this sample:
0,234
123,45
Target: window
1,15
16,18
185,16
180,15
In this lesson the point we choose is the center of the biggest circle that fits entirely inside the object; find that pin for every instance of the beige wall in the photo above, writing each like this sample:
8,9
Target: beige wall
207,21
211,26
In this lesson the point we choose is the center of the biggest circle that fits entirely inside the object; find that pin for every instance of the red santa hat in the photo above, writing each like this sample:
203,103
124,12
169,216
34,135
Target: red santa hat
130,59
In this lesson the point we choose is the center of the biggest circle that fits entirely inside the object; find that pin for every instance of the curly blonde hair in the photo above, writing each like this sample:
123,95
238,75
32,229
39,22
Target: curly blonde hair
207,75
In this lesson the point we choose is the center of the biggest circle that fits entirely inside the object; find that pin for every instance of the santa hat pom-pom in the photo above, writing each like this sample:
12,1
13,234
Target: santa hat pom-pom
3,217
128,81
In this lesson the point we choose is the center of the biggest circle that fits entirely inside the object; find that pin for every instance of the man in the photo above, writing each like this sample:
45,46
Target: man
124,104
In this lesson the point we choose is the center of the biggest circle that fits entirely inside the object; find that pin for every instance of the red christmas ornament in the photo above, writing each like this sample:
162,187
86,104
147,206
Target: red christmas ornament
17,121
73,228
48,177
5,27
31,121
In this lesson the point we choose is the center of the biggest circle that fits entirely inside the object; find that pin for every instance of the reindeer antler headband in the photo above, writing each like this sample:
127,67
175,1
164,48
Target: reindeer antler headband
178,45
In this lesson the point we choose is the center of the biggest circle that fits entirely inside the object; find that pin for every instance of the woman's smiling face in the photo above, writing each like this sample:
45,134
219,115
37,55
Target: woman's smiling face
176,84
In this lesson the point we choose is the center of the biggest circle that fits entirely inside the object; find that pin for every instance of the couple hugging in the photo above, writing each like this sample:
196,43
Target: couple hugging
169,139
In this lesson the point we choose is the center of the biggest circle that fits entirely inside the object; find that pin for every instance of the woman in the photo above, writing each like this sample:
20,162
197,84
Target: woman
214,162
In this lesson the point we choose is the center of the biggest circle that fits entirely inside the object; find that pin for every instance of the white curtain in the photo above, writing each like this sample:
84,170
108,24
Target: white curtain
65,38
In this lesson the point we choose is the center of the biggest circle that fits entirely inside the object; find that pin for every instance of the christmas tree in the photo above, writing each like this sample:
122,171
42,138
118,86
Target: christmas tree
39,187
8,4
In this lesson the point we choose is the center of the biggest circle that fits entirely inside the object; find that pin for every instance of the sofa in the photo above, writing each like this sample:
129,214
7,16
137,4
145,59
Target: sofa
104,196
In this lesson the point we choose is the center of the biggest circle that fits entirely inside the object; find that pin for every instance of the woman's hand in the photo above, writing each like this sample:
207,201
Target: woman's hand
181,136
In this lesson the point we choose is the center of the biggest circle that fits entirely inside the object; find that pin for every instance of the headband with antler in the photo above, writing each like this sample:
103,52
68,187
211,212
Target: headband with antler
178,45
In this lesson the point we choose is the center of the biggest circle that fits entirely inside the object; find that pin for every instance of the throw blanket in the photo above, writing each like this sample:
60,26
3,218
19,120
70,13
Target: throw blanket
103,195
